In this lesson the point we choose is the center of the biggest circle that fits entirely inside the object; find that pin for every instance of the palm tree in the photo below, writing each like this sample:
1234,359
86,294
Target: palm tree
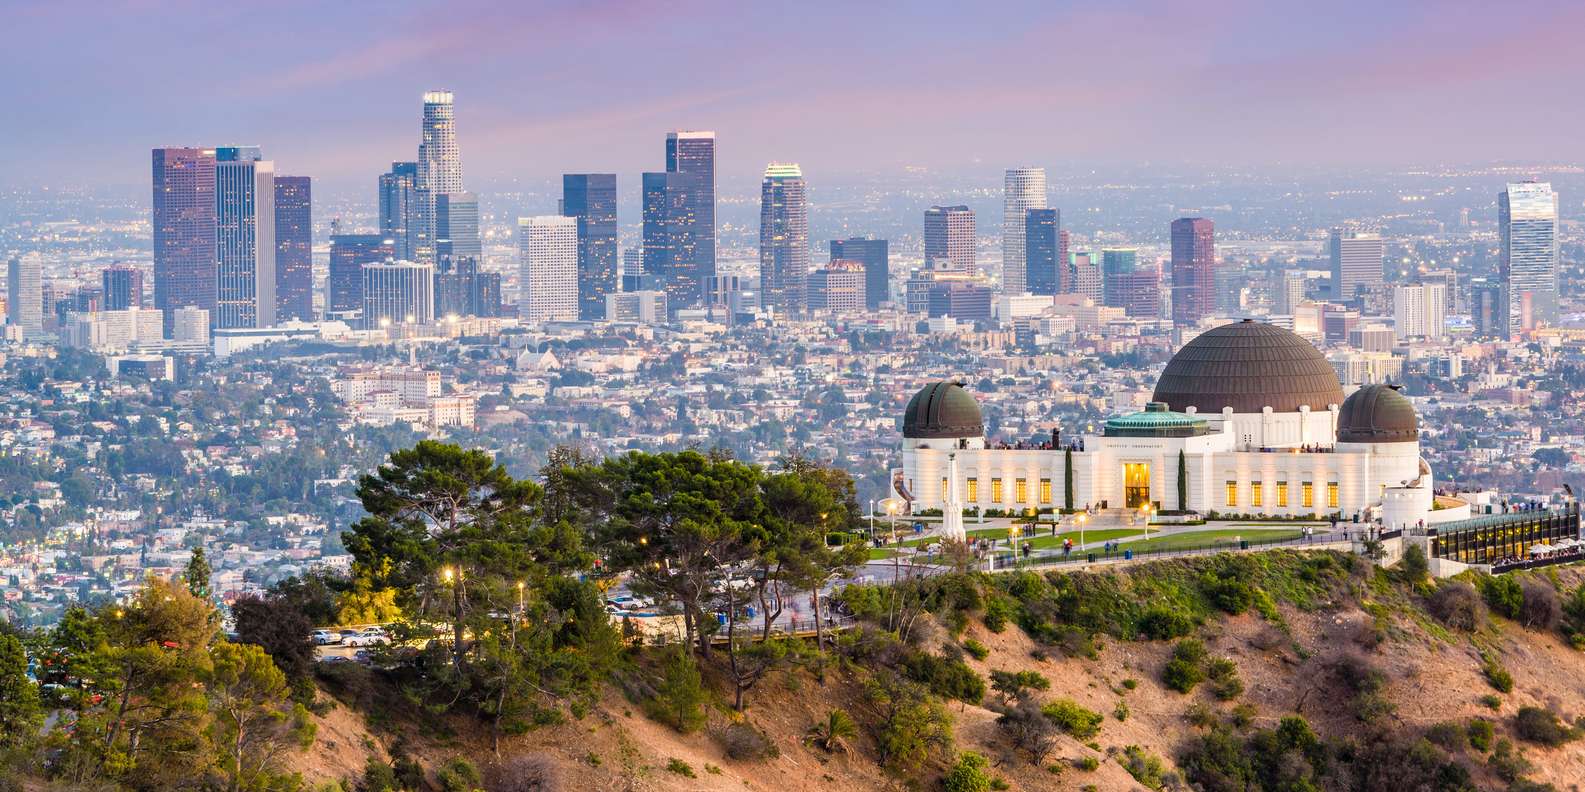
832,735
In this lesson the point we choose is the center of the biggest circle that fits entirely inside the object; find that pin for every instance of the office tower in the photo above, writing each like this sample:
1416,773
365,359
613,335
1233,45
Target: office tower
190,325
1357,260
837,287
1488,308
875,256
960,300
245,245
462,290
123,287
294,248
439,167
1448,278
1193,270
643,307
663,266
397,292
591,198
949,234
547,249
348,254
783,238
399,207
1022,189
633,268
1045,254
184,228
1128,284
1419,311
1287,291
691,156
457,227
1527,220
25,293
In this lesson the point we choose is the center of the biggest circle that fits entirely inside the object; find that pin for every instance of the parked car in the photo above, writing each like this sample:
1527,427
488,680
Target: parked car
323,637
370,637
345,634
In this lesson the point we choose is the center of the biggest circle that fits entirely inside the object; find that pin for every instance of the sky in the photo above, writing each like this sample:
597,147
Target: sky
333,90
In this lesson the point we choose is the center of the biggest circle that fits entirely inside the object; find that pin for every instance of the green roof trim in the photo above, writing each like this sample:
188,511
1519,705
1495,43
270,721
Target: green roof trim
1156,420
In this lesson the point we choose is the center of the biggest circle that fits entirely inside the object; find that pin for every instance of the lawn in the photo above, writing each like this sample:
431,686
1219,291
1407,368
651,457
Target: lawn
1199,539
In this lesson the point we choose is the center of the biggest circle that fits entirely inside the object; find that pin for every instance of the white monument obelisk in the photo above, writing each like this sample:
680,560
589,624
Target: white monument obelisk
952,512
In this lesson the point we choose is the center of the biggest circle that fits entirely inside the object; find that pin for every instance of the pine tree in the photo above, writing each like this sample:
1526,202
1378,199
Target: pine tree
1067,479
197,574
20,711
1183,482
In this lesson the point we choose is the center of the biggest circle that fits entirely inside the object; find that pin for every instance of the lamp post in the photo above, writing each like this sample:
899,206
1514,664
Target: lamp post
1082,518
872,521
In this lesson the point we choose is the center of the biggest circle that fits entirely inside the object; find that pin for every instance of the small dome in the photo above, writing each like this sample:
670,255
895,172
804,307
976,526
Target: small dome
1248,366
1377,414
942,409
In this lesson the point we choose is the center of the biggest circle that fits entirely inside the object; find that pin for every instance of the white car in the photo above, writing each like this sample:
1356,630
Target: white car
372,636
323,637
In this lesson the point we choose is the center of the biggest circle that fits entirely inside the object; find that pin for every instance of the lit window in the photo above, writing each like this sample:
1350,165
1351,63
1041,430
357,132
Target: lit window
1045,490
974,490
1307,493
1232,493
1020,490
1282,494
1255,498
996,490
943,487
1331,494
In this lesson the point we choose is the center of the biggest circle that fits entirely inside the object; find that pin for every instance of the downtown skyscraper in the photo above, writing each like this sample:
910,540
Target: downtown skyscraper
1193,270
949,236
439,167
1022,189
875,255
591,199
122,287
184,229
1358,262
679,219
1045,253
245,247
784,239
294,244
399,215
547,282
25,293
1527,221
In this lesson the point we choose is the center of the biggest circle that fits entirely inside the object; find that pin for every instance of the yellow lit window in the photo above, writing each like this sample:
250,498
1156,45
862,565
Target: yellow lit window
1307,494
996,490
974,490
1045,490
1255,498
1331,494
1020,490
1232,493
943,487
1282,494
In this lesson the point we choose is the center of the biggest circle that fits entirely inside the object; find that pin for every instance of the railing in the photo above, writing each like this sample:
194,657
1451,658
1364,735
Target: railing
792,628
1047,558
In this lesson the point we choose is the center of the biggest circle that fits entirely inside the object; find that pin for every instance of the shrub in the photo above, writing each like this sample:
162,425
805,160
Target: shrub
1029,729
976,649
1230,595
1503,595
1225,683
378,777
1458,605
742,742
1506,762
1541,609
1120,712
1450,736
1480,734
1497,676
1541,726
1185,669
681,768
1414,565
457,775
1200,716
998,611
1161,623
968,774
913,725
1073,718
1491,701
948,678
833,733
1130,683
1145,767
680,696
1088,764
1017,685
531,772
1244,714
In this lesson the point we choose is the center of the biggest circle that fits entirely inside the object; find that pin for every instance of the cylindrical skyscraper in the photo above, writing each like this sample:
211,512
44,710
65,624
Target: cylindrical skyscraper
783,238
439,166
1022,189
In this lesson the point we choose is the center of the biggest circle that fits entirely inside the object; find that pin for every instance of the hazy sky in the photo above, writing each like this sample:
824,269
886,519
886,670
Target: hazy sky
333,89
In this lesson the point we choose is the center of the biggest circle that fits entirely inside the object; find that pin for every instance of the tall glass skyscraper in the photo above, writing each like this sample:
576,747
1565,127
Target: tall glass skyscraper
399,207
783,239
348,254
1130,285
457,227
664,265
245,245
294,245
1045,257
949,235
184,229
1527,216
439,166
123,287
876,258
591,198
691,155
1022,189
1193,270
1358,261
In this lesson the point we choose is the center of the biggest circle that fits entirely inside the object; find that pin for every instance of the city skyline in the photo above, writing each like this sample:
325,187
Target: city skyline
1404,80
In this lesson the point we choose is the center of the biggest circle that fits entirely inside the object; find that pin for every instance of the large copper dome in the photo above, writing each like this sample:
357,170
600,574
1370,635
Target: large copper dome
942,409
1248,366
1377,414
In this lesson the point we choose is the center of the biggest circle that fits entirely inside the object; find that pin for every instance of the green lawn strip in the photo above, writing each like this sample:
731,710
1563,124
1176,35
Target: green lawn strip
1198,539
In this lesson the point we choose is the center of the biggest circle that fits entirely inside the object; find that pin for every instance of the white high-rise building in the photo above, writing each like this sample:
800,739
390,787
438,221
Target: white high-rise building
398,292
25,293
1527,216
1022,189
1420,311
439,167
547,248
244,239
1357,262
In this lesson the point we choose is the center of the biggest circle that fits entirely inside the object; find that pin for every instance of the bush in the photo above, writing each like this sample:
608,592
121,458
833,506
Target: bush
1506,762
1458,605
1120,712
968,774
1503,595
998,611
1450,736
1225,683
681,768
680,697
1088,764
1073,718
1541,609
1230,595
1185,669
1029,729
528,773
1414,565
378,777
1014,686
947,678
1161,623
742,742
1497,676
1480,734
1491,701
1541,726
976,649
457,775
1145,767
